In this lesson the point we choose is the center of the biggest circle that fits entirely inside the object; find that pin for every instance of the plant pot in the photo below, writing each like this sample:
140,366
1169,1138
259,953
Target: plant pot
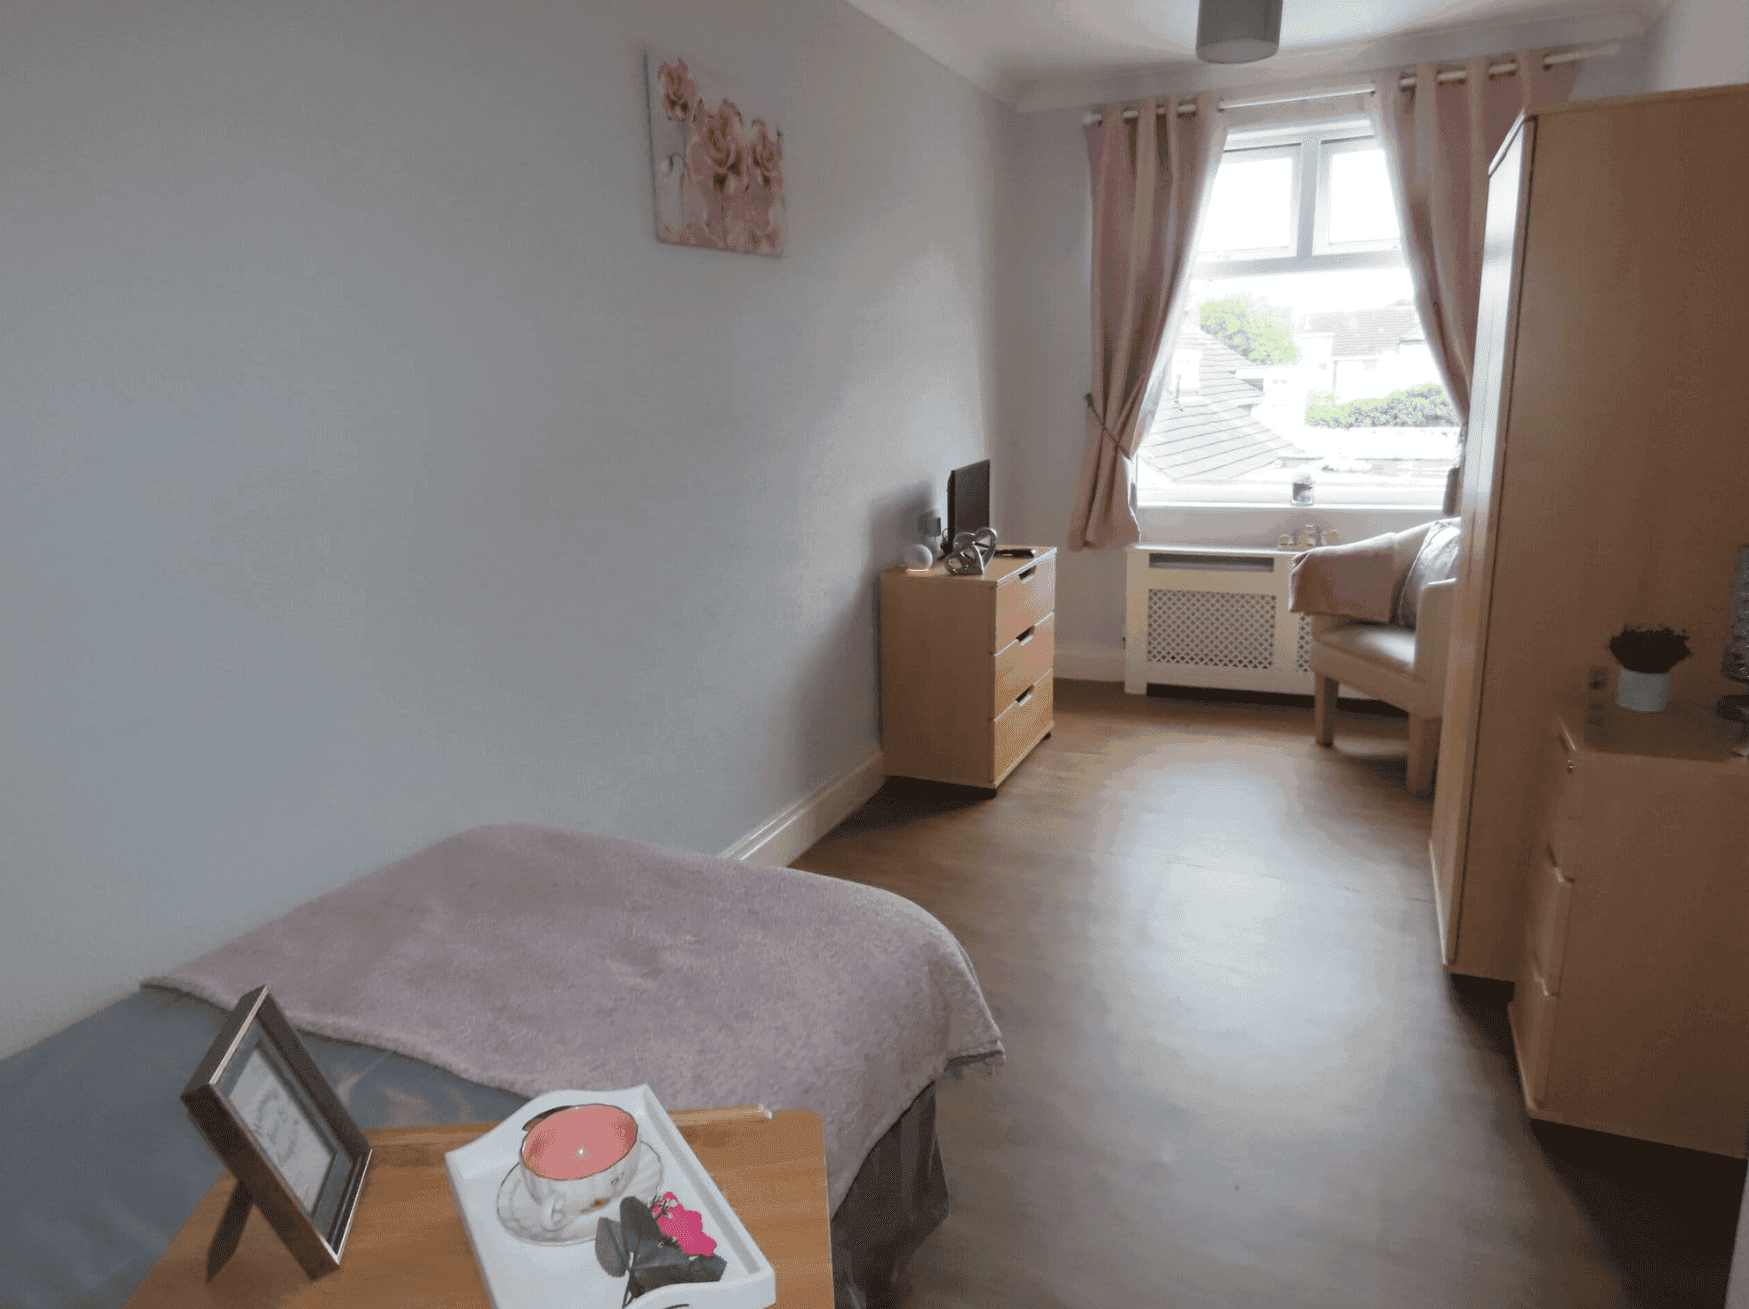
1643,693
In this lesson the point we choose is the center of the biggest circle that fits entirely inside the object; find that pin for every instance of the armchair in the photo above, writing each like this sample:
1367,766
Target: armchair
1402,662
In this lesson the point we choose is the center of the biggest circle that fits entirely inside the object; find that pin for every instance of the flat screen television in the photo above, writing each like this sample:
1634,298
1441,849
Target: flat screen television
968,499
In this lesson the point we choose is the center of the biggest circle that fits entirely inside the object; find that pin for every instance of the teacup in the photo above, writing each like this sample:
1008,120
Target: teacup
578,1160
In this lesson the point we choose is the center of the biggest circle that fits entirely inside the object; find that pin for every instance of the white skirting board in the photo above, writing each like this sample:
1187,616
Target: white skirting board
776,842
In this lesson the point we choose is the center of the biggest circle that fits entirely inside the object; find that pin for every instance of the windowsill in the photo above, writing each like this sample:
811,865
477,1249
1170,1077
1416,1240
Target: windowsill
1254,526
1248,506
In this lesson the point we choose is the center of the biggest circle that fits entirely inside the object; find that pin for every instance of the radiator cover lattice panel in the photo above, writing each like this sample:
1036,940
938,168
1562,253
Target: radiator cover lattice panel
1211,629
1213,616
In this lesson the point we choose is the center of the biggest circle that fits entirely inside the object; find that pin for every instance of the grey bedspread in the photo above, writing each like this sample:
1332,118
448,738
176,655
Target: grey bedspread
534,959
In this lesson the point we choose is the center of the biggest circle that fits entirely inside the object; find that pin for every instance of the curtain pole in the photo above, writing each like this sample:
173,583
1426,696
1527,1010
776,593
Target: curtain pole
1188,107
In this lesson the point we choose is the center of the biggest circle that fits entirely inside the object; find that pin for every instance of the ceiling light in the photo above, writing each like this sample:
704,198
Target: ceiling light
1237,31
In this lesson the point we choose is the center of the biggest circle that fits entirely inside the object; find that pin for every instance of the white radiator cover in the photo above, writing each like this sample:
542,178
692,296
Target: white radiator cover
1213,616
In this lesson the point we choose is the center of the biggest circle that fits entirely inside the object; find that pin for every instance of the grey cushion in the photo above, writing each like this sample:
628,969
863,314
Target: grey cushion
1436,562
1377,643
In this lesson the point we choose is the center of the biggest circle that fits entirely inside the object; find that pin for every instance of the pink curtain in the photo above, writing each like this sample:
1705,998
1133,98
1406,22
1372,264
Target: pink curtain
1439,140
1150,177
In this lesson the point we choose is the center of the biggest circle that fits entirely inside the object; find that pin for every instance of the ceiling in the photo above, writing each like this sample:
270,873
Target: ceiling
1049,54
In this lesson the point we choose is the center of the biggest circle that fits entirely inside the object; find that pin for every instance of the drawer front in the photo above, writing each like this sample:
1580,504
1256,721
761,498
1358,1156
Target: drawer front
1021,723
1534,1009
1022,599
1548,921
1023,661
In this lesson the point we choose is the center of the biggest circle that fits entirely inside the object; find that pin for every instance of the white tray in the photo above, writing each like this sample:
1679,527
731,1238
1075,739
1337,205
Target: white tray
521,1275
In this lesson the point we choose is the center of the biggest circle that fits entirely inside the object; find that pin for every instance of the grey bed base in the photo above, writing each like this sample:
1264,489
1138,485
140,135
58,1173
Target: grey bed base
75,1237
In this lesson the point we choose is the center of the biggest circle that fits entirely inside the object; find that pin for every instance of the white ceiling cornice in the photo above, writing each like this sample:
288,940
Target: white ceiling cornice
1055,54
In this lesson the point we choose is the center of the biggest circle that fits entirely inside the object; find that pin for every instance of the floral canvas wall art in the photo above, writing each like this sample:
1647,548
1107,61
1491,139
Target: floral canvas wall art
718,168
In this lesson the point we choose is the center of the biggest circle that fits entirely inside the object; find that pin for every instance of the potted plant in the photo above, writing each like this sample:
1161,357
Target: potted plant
1646,656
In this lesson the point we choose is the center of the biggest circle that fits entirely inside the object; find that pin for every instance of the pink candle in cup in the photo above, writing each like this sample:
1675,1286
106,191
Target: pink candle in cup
579,1142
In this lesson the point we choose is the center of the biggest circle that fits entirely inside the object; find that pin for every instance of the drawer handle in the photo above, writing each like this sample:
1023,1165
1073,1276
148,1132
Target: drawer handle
1029,572
1026,636
1555,864
1024,696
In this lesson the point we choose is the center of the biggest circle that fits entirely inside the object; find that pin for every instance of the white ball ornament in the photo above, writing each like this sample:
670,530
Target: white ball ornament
919,558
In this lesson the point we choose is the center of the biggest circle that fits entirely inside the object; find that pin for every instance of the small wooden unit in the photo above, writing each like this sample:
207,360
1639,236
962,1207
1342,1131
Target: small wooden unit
1633,987
966,669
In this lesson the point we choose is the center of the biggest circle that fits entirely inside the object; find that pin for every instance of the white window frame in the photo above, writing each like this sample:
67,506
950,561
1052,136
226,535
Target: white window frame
1327,147
1313,144
1311,147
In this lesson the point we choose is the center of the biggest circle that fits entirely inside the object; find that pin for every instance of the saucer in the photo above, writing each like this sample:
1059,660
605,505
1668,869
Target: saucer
521,1216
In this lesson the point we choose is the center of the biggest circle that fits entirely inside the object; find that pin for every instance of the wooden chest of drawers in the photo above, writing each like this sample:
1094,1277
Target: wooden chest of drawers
966,669
1631,1010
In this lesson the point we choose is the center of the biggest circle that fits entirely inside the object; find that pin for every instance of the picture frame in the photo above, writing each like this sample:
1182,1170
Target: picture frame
271,1116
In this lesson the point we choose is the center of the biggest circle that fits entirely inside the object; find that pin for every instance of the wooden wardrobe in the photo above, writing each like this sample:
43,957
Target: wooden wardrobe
1606,480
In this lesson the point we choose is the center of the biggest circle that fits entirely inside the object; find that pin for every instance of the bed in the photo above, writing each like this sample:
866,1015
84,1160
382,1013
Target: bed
425,993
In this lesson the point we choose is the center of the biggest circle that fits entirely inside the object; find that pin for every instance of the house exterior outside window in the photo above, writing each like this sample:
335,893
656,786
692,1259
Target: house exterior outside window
1301,350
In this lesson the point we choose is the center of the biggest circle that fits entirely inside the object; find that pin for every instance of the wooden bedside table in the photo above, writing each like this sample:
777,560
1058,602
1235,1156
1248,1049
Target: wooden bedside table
966,669
408,1245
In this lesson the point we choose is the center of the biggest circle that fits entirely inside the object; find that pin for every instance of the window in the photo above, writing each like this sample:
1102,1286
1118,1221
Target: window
1301,350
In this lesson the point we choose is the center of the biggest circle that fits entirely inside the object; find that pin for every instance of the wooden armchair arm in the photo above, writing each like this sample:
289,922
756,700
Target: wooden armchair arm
1433,632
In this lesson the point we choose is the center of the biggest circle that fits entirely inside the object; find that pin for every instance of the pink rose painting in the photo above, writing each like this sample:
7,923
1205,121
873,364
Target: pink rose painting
718,170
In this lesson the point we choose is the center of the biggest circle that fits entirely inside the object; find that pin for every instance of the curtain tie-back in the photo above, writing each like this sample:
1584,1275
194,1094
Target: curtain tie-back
1093,409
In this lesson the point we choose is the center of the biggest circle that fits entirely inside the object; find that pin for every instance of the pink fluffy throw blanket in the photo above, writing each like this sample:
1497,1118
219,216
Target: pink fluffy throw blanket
1354,581
538,959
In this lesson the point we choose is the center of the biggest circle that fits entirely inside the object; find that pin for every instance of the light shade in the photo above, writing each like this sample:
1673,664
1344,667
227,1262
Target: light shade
1237,31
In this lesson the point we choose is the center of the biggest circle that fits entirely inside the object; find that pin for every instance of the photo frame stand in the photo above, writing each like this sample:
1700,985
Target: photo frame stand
270,1115
229,1232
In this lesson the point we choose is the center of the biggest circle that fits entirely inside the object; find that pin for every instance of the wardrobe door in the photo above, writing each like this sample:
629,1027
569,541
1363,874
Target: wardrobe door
1485,456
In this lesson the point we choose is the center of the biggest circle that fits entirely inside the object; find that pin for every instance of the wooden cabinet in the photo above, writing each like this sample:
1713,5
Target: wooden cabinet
1605,465
966,669
1632,994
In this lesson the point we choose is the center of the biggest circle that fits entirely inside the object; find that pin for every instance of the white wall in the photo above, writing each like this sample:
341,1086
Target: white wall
1045,372
373,472
1623,73
1699,43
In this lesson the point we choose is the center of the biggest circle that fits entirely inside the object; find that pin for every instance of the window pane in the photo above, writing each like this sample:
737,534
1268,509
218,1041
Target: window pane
1252,208
1361,205
1275,375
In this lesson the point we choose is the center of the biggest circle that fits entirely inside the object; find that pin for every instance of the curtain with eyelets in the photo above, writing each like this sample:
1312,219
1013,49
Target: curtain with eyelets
1440,138
1151,173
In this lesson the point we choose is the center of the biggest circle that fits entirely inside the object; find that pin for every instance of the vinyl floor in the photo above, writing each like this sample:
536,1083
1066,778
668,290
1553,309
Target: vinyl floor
1237,1073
